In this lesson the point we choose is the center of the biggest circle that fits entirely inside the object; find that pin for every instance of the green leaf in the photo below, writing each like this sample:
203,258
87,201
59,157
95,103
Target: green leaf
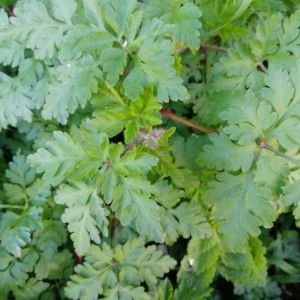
19,171
32,289
64,11
166,194
15,102
287,133
153,64
265,40
185,17
39,192
15,193
291,197
94,275
66,93
140,263
223,154
157,66
85,215
11,53
126,292
271,171
33,26
132,202
290,39
248,119
135,162
107,182
191,222
16,229
50,237
135,81
189,287
114,61
236,71
52,159
57,266
203,255
248,268
279,98
241,207
131,263
163,291
116,14
16,272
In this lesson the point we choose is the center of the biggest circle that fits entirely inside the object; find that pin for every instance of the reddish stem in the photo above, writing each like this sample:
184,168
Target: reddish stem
186,122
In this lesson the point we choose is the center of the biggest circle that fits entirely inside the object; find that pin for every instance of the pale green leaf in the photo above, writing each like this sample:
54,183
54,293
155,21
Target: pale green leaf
132,202
92,277
15,102
287,133
19,171
290,39
271,171
265,40
249,119
85,215
17,271
278,97
51,159
135,162
135,81
117,13
36,29
241,208
236,71
223,154
64,10
67,91
114,61
15,230
184,17
191,222
140,263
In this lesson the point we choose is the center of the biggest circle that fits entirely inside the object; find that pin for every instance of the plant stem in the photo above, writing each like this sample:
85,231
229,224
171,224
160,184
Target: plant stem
264,145
12,206
186,122
114,93
262,67
205,47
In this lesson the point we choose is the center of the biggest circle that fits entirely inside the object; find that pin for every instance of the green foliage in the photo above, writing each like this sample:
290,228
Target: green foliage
101,196
114,273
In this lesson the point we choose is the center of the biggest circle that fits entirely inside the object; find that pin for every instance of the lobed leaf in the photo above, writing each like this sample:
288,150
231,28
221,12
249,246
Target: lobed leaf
248,268
203,255
85,215
241,207
132,202
132,263
223,154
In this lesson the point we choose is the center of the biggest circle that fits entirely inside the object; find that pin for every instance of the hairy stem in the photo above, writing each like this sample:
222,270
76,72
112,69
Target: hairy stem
205,47
186,122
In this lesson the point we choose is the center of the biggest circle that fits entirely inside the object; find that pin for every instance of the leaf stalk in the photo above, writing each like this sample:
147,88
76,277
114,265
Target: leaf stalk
173,116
